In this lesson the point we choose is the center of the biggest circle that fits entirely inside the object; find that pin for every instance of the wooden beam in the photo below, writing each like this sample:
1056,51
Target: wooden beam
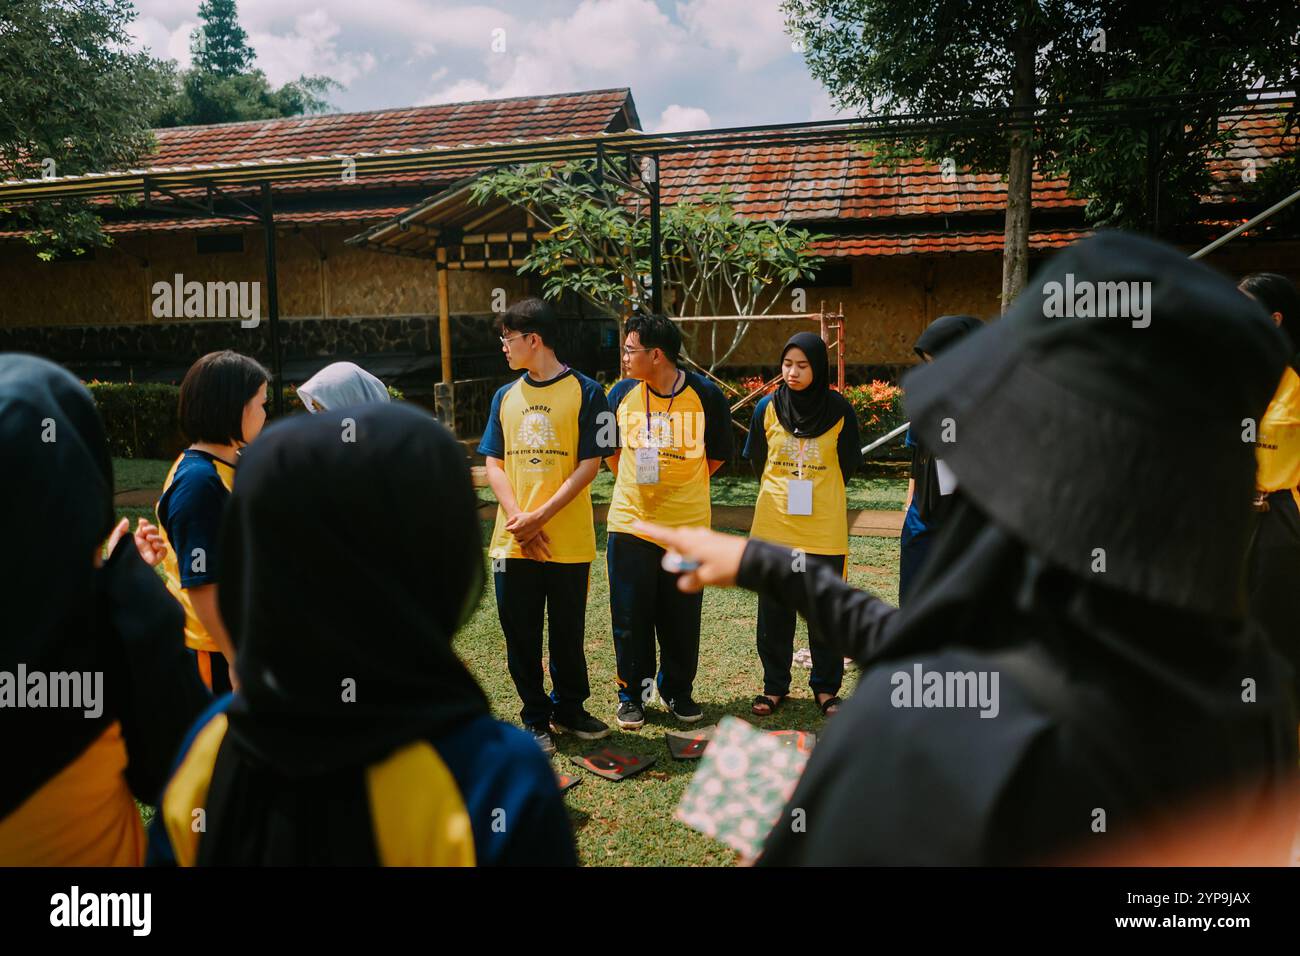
444,316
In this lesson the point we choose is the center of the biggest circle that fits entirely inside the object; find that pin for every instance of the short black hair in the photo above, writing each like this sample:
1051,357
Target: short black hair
657,332
214,393
1276,293
531,315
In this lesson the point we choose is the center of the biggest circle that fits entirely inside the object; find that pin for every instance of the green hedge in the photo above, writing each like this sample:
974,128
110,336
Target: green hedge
140,417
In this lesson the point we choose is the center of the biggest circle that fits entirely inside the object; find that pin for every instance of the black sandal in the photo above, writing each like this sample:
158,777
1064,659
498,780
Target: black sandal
828,704
762,700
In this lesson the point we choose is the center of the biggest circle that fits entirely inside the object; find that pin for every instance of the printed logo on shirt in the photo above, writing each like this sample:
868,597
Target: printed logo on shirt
811,452
681,431
535,429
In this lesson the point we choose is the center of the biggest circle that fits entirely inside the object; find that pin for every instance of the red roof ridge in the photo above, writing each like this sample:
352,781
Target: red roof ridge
308,117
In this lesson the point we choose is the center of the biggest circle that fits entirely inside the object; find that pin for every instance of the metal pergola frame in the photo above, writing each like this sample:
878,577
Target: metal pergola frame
212,179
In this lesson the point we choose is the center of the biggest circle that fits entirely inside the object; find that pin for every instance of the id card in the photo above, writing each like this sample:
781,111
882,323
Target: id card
947,480
647,466
798,496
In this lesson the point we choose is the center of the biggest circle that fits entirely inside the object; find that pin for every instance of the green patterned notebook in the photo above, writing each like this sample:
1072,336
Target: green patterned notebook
745,778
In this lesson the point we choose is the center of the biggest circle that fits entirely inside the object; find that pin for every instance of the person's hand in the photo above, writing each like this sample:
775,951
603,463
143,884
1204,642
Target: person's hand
537,548
149,542
525,525
718,555
122,528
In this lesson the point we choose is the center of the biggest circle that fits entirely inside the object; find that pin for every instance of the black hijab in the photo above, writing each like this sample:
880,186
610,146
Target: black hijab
815,409
61,613
349,561
1105,700
1121,682
943,332
939,335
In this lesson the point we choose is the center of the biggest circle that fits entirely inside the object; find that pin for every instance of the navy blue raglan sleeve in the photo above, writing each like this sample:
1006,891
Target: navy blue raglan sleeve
756,444
196,502
595,434
493,442
514,803
615,397
849,446
717,421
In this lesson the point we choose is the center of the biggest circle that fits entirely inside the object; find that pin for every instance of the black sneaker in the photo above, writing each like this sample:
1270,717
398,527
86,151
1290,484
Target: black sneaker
581,724
543,737
684,709
630,715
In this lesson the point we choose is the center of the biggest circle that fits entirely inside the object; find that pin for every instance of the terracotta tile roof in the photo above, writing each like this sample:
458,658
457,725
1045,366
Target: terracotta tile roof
415,127
311,217
839,181
933,243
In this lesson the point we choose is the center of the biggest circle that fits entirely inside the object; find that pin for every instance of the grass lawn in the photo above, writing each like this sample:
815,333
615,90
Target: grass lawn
631,823
882,487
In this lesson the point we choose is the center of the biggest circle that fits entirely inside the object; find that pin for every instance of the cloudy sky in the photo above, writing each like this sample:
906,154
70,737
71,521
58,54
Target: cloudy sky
690,63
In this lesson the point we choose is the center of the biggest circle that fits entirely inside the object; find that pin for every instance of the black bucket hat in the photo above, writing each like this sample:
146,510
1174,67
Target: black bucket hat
1106,419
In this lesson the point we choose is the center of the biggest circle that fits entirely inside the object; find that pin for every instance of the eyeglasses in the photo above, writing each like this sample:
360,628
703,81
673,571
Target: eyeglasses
628,350
507,339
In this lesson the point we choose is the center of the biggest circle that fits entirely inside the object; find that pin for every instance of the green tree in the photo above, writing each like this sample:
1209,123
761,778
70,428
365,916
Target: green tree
224,86
878,56
715,262
72,101
220,45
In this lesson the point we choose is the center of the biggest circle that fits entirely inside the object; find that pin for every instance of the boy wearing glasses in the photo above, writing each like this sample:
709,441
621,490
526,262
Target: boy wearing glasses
542,447
674,431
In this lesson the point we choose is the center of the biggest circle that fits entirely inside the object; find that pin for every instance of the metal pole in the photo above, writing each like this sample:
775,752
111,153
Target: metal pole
884,438
272,298
1153,178
656,240
1275,208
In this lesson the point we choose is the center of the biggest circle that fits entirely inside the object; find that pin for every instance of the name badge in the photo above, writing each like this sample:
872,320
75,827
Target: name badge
798,496
647,466
947,480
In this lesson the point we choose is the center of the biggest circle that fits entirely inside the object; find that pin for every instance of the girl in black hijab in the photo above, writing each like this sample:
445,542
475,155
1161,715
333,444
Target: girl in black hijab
803,443
1077,664
107,627
929,486
351,555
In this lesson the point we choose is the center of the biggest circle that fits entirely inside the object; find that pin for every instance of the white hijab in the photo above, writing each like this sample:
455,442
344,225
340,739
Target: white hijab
341,385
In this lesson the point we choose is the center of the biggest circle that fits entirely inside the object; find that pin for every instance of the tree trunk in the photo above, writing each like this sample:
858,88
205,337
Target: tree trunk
1020,168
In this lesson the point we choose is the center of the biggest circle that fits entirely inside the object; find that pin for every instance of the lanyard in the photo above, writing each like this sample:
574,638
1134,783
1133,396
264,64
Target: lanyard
553,378
645,398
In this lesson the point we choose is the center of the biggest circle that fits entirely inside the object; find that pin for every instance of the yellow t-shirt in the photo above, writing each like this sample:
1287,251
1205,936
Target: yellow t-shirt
82,816
688,429
192,511
1277,452
826,530
541,431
